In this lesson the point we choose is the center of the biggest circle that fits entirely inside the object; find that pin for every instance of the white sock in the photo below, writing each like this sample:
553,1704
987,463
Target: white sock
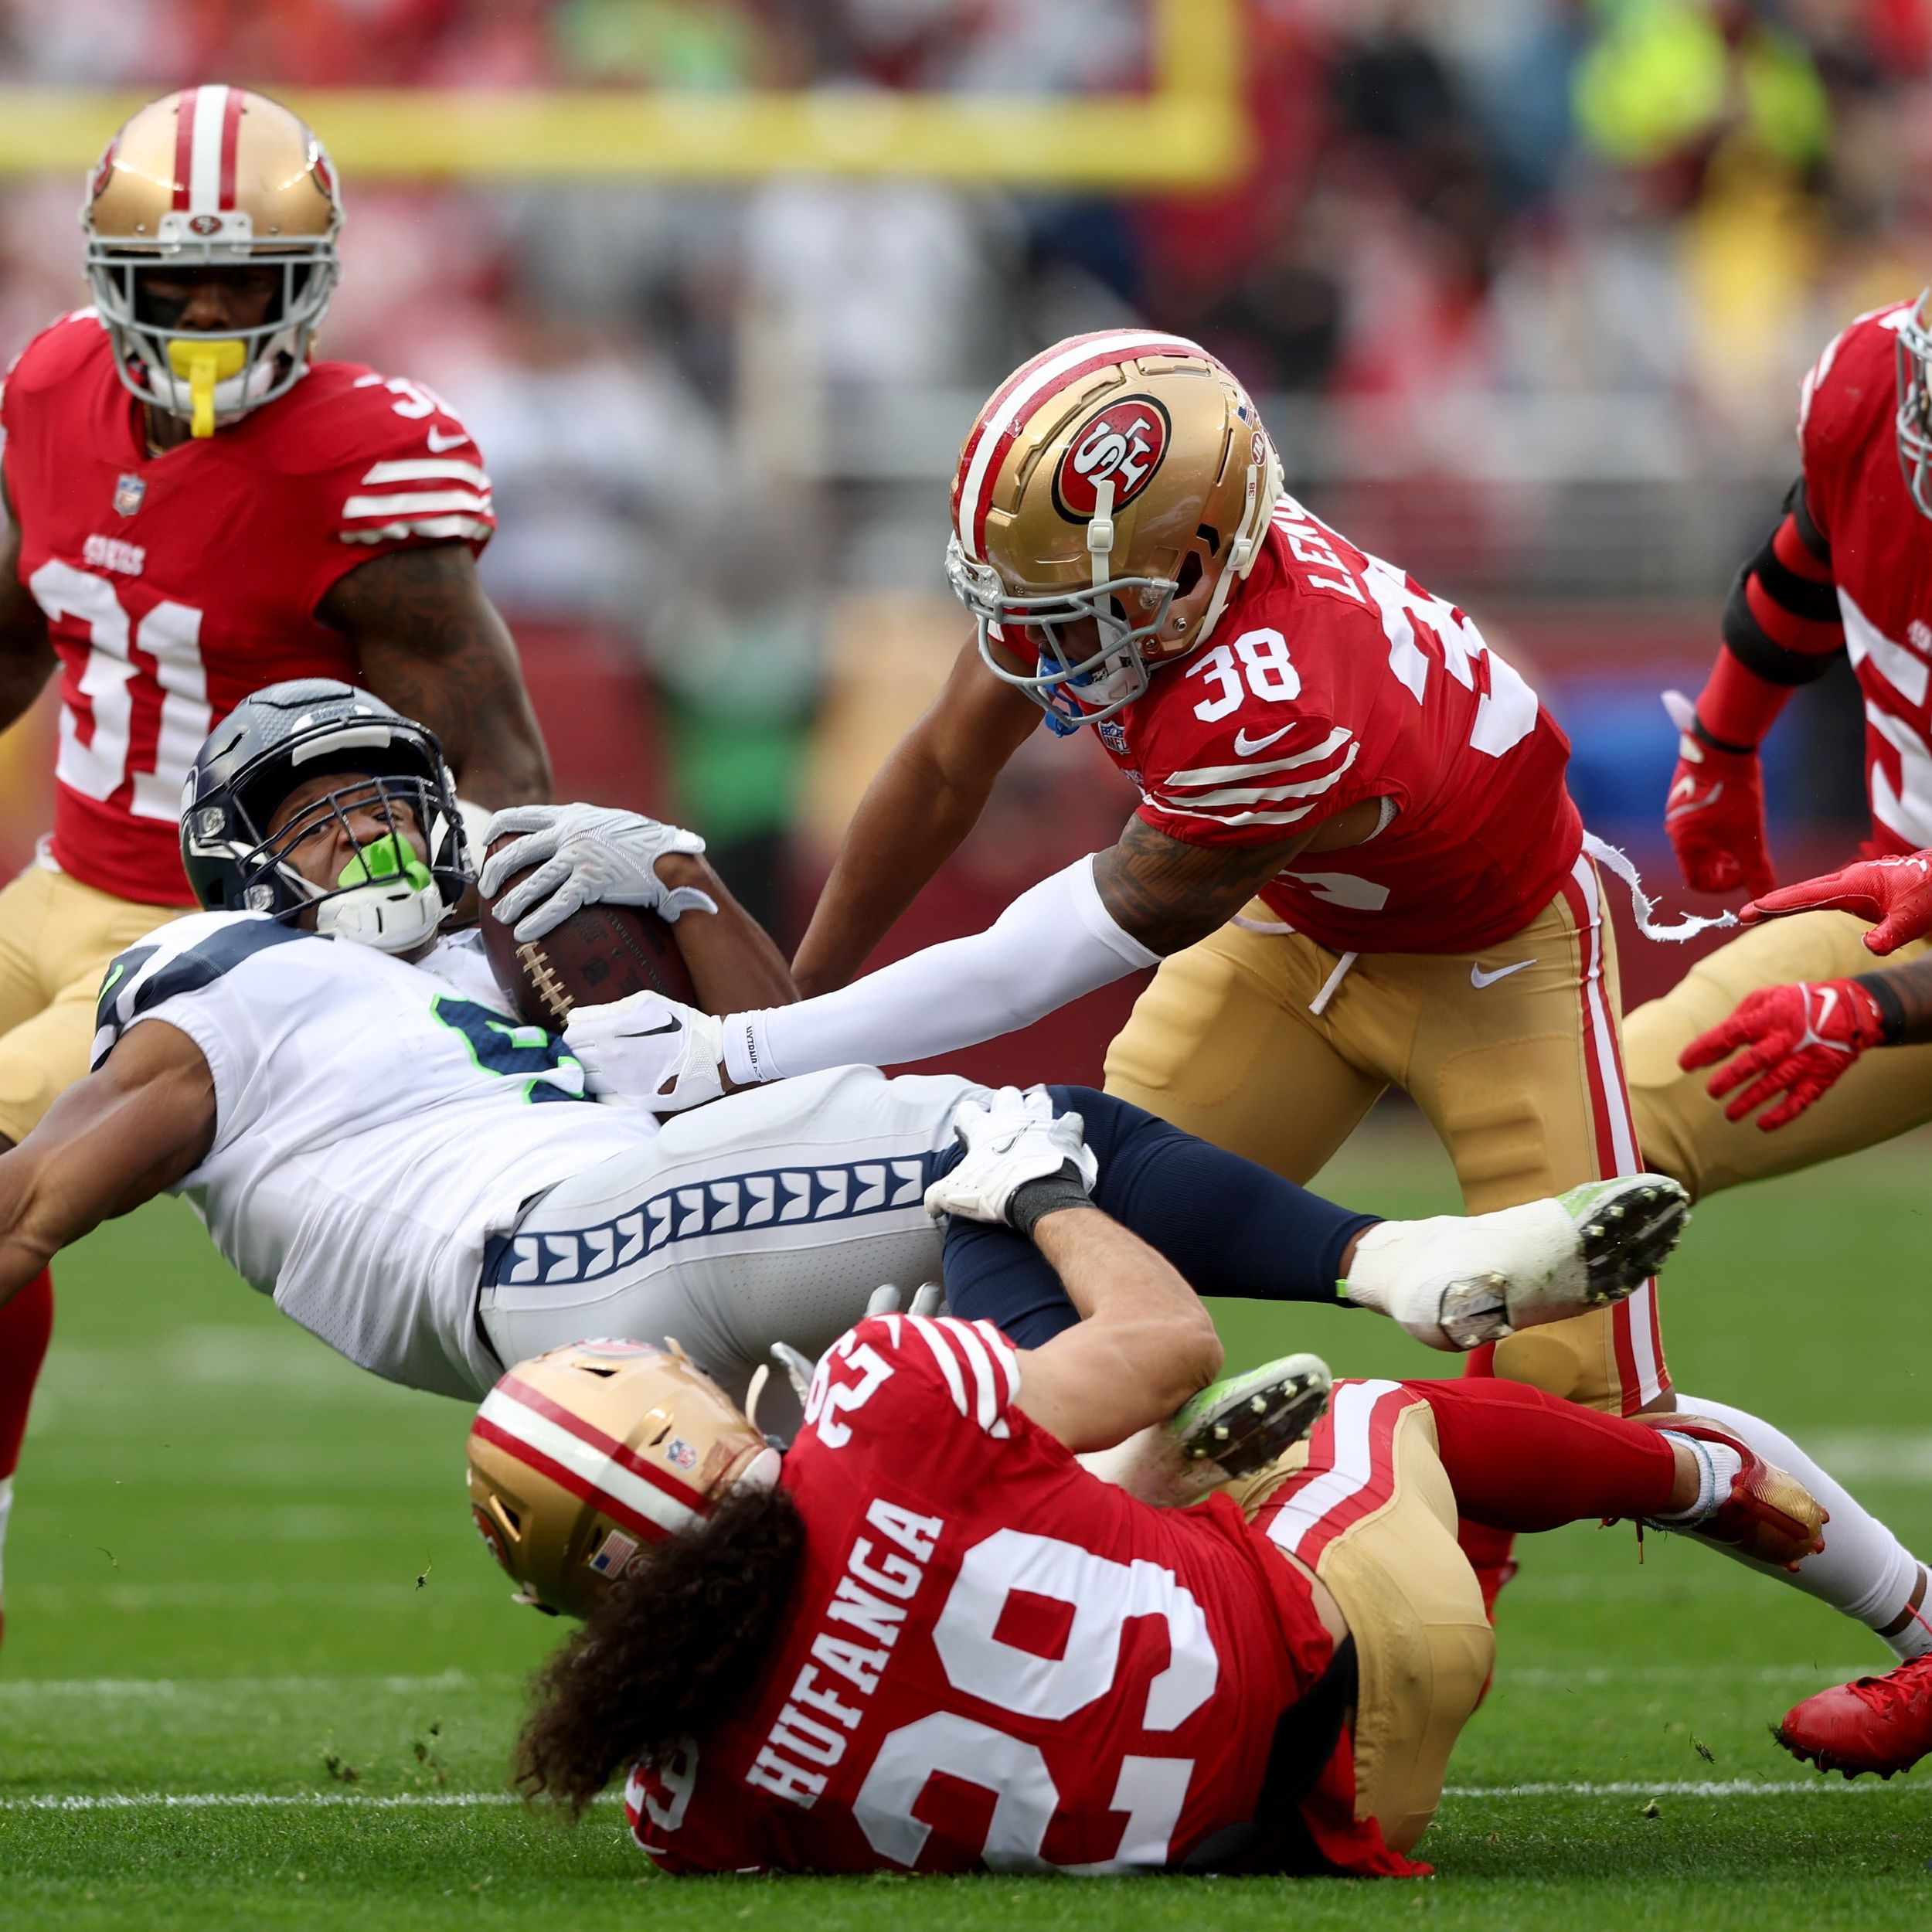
1863,1569
1717,1467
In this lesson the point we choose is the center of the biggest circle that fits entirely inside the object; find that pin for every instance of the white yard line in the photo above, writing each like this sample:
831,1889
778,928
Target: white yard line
1671,1787
456,1801
24,1689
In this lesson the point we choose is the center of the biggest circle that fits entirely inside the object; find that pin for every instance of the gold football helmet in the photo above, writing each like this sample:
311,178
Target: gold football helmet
1110,496
211,176
582,1455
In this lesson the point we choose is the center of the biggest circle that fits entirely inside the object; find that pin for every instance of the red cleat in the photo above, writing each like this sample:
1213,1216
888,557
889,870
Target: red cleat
1882,1724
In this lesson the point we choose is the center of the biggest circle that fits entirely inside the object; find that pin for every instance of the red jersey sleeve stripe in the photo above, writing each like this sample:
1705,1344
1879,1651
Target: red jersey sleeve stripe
940,1347
987,1403
1258,767
415,503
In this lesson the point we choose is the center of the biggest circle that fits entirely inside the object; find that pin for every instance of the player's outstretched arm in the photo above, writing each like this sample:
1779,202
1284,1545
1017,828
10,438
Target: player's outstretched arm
1145,1345
1086,926
928,795
26,657
431,644
114,1140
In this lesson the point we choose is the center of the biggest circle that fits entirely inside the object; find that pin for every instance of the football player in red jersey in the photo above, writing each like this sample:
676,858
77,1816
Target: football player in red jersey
1356,861
928,1641
197,508
1788,1014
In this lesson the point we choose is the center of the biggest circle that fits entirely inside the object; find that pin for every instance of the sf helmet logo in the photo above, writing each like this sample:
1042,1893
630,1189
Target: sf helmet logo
1124,444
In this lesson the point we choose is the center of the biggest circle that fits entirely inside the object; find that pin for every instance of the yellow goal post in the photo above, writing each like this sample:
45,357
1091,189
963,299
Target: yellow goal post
1188,130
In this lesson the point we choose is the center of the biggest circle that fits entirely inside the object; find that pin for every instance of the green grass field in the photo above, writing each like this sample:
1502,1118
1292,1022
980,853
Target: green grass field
258,1670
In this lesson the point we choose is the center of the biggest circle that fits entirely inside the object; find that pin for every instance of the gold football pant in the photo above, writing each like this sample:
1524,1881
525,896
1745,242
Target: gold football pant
1683,1132
57,937
1512,1054
1366,1505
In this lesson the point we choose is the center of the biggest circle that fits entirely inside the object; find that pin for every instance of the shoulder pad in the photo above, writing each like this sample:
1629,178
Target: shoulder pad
61,349
183,956
1851,383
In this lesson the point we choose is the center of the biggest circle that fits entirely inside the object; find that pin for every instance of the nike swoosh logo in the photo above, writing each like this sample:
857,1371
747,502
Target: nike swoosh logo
113,980
1244,745
648,1032
439,442
1479,979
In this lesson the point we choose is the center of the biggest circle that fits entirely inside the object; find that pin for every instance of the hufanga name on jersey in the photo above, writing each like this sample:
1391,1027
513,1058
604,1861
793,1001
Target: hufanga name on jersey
878,1589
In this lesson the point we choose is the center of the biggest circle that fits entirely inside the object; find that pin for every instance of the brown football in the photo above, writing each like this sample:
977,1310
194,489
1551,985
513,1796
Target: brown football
599,954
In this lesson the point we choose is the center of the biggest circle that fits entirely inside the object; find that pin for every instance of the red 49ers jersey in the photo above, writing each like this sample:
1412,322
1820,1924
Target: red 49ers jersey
992,1656
1332,678
1881,562
175,585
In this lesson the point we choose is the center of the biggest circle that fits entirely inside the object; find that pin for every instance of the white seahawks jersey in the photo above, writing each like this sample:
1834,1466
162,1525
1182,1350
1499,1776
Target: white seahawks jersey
376,1124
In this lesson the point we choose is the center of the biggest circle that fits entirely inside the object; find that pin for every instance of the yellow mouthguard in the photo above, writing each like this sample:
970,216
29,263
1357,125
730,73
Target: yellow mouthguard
201,365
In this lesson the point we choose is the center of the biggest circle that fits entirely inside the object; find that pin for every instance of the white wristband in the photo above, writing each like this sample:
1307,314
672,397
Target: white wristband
748,1057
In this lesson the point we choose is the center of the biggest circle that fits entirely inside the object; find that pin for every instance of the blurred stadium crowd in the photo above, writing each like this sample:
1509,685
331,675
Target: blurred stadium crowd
1527,285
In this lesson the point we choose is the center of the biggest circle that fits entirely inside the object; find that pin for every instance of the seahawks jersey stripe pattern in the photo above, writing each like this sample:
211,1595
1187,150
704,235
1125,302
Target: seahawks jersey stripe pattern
850,1191
138,980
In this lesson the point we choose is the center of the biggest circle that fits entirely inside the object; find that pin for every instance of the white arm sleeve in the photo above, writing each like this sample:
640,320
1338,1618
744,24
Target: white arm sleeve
1052,943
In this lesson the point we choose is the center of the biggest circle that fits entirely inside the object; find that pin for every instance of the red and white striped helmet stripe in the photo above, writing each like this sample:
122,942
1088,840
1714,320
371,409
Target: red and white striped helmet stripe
207,131
1029,386
526,1423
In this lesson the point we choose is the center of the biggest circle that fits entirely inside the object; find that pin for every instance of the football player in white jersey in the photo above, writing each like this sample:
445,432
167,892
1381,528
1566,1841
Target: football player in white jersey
421,1180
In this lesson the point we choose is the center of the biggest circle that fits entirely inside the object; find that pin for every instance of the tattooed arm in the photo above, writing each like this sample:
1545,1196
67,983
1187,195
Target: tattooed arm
431,644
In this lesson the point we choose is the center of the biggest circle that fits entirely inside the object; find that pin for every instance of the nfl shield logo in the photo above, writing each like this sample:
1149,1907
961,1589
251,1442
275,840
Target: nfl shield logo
128,493
1113,735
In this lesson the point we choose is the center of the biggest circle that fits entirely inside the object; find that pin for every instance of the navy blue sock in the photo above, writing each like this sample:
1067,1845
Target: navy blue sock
1229,1227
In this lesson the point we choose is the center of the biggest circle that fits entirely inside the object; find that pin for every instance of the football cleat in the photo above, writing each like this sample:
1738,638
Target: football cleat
1768,1515
1881,1724
1242,1423
1456,1282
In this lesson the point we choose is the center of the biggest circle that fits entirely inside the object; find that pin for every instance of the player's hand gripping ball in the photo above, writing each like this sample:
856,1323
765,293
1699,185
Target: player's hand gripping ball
591,955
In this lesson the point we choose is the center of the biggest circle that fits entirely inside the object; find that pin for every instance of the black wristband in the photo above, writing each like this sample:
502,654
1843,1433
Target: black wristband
1033,1200
1885,997
1706,737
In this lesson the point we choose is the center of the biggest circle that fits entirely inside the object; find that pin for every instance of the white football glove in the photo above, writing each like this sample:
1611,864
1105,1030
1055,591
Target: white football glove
649,1051
584,856
1010,1139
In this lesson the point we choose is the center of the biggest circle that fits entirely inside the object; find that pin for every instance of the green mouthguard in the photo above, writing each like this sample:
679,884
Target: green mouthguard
389,857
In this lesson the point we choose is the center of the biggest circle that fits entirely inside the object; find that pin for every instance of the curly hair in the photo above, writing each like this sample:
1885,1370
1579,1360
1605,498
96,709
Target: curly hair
671,1650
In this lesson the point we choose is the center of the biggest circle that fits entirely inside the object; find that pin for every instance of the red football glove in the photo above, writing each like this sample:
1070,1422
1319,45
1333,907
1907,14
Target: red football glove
1798,1040
1896,892
1715,813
